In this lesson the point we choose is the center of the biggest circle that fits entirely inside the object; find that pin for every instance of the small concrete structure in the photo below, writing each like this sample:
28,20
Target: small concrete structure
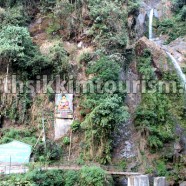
142,180
160,181
62,126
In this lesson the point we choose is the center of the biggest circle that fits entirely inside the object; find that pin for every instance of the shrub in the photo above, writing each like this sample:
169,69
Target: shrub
154,142
35,177
27,135
133,7
174,26
102,111
183,13
66,140
47,5
18,110
71,178
75,125
177,5
123,165
105,69
161,168
45,178
144,65
92,176
52,152
85,57
59,60
107,15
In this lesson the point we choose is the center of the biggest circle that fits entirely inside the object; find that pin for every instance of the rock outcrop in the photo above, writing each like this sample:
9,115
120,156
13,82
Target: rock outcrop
38,28
159,56
178,50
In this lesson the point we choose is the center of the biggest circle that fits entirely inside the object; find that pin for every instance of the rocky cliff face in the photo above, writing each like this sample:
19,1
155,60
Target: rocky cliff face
162,9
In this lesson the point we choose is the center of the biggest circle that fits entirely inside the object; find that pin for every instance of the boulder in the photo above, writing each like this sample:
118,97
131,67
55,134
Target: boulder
178,50
159,57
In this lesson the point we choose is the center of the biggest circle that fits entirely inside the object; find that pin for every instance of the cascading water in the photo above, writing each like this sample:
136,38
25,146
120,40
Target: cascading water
175,63
178,68
150,23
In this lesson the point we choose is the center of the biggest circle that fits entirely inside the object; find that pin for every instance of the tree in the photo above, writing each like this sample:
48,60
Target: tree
17,48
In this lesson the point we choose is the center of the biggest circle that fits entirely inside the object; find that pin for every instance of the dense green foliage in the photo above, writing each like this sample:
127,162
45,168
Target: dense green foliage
144,66
25,56
87,176
174,26
75,125
103,111
59,60
52,151
100,124
153,115
36,178
71,178
93,176
109,27
17,49
153,119
27,135
105,69
14,16
100,25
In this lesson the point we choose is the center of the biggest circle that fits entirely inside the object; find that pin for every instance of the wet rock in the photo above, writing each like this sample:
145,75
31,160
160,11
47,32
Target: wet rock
178,50
141,25
183,183
177,147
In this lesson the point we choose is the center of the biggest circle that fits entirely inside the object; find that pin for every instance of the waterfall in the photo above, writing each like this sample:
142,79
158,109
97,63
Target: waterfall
150,23
175,63
178,68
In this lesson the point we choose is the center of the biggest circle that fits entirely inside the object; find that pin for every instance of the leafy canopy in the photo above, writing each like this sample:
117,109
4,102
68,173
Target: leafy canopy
17,48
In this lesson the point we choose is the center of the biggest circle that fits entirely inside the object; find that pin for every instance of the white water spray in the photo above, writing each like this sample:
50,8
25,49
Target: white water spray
150,23
178,68
174,61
